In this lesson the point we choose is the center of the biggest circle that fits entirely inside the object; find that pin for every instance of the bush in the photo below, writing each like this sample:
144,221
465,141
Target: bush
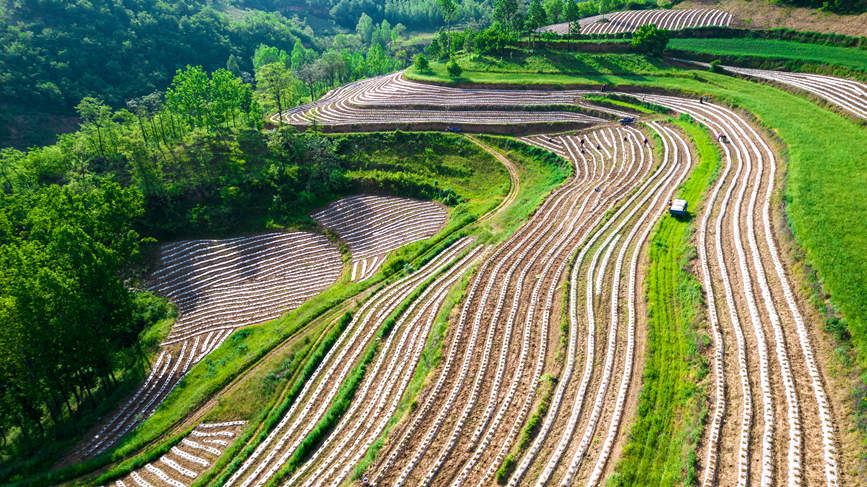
715,66
492,41
650,40
421,63
454,69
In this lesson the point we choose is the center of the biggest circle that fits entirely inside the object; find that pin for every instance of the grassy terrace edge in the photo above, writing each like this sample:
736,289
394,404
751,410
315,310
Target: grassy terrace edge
848,57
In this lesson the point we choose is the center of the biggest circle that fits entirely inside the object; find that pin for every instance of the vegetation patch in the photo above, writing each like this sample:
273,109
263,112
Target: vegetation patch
662,443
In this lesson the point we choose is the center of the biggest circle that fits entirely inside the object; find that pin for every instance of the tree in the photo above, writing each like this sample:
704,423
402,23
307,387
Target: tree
554,9
188,94
227,92
571,11
139,108
448,8
435,50
397,32
300,55
574,27
454,69
650,40
268,54
505,12
492,40
274,79
364,28
537,16
421,63
604,6
310,74
233,64
96,114
335,66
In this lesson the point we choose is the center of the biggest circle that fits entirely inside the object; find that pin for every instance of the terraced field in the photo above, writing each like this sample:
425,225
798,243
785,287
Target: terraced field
540,370
631,20
850,96
770,395
218,287
373,226
391,100
188,459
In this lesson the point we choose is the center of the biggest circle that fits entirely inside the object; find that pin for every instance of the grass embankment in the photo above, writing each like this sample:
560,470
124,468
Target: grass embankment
555,67
656,453
540,172
458,172
767,48
387,160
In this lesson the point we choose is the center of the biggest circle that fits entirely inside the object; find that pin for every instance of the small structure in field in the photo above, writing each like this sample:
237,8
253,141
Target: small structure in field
677,208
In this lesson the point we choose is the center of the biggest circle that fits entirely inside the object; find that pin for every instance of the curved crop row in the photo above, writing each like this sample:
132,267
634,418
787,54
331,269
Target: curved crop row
318,392
185,461
847,94
372,226
376,401
390,99
219,286
751,154
631,20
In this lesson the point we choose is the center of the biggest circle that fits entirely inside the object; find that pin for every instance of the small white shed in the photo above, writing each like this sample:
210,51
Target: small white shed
678,207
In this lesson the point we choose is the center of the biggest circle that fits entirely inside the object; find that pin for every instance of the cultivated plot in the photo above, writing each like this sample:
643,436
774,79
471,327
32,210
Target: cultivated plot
631,20
185,461
218,287
391,100
372,226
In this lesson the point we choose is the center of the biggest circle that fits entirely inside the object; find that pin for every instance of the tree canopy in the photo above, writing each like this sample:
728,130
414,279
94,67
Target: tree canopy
650,40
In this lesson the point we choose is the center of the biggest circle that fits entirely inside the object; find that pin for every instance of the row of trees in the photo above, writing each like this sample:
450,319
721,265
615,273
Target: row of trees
286,79
417,14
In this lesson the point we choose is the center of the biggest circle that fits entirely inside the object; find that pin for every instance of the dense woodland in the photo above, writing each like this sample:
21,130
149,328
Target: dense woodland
53,53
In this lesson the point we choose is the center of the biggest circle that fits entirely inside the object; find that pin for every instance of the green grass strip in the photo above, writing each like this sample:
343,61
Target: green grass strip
849,57
273,418
662,443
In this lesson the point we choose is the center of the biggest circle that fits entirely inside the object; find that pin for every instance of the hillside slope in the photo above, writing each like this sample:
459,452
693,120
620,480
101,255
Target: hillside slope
760,14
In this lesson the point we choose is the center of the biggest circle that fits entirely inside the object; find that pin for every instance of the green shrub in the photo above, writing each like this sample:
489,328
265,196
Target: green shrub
650,40
421,63
454,69
715,66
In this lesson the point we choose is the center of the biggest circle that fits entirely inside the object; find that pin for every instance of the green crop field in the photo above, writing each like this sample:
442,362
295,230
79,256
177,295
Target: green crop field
767,48
656,453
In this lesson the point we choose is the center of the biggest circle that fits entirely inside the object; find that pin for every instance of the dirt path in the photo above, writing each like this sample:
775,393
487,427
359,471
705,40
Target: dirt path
514,179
